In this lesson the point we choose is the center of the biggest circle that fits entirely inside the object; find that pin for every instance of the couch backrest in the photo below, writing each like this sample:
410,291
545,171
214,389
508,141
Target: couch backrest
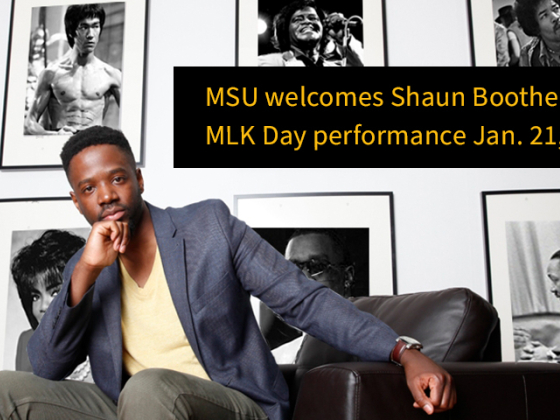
454,325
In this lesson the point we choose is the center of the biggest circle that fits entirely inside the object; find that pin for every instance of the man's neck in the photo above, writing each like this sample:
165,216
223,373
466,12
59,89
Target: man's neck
553,45
81,59
311,52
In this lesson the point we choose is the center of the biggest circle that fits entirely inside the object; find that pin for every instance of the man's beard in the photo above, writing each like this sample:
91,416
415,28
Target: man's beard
134,213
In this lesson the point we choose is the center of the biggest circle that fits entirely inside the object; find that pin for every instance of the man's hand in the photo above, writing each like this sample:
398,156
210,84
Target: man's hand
334,26
422,374
106,241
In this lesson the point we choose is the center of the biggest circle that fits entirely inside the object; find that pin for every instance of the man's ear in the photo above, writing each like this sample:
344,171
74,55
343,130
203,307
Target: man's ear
140,179
349,273
75,201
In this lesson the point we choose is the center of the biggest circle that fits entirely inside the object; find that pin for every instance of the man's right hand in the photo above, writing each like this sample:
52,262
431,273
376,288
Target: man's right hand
106,241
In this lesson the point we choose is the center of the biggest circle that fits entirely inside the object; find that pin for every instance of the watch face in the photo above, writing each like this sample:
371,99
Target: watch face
411,343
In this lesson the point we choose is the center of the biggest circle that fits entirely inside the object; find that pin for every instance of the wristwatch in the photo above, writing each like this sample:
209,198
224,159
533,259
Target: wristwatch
404,343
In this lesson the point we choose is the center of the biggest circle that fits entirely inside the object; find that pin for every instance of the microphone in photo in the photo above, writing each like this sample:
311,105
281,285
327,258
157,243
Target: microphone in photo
336,22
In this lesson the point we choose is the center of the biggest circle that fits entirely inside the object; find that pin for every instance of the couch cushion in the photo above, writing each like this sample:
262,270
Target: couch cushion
453,325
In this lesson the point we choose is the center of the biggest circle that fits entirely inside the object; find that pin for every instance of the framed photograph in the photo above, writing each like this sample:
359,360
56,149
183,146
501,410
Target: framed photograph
363,20
70,66
359,226
496,35
47,231
522,236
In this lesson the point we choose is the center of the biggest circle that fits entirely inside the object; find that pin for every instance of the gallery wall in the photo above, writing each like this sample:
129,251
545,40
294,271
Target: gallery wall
438,215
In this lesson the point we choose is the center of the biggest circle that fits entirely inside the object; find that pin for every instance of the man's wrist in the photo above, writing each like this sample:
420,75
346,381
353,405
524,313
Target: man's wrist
404,343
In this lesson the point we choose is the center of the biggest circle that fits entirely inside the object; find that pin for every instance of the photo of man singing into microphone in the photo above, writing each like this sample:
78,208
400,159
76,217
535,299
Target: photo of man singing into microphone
308,33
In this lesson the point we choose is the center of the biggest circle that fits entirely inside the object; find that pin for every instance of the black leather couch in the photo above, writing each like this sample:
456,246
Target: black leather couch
460,330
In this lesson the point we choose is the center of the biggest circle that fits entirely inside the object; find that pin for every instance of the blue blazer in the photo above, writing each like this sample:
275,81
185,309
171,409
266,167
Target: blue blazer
213,262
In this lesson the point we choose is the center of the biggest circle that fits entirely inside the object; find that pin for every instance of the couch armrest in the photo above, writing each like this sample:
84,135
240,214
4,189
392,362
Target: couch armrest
375,391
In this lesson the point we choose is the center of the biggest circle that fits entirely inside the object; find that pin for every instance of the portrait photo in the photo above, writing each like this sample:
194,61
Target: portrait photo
38,258
534,275
522,240
515,33
37,238
334,257
310,33
67,70
97,28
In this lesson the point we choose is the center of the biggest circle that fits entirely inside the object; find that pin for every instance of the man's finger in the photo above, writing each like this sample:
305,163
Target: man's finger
421,399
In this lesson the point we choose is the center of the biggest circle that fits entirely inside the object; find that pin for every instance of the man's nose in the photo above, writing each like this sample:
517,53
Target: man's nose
107,194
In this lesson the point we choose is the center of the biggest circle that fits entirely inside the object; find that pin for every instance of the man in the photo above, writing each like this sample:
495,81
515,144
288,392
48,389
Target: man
540,19
516,37
75,90
159,300
527,348
306,37
323,256
553,273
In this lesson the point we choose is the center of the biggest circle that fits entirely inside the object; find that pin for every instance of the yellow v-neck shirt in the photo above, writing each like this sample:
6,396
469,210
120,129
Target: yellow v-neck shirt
153,336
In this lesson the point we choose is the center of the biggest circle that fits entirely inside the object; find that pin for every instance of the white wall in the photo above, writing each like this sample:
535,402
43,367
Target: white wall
439,234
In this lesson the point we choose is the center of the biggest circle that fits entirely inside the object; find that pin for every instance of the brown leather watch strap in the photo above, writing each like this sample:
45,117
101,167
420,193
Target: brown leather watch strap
397,352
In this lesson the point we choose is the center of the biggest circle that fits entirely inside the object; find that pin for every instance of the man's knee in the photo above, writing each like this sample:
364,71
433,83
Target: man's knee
144,383
147,393
12,381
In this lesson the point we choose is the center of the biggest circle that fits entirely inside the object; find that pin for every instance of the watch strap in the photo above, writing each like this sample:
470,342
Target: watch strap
398,351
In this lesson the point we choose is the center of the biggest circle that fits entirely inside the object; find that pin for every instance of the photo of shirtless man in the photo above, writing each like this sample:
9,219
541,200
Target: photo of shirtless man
75,90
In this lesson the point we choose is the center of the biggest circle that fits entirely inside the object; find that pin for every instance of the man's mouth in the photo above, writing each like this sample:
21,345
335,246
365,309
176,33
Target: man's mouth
307,29
113,214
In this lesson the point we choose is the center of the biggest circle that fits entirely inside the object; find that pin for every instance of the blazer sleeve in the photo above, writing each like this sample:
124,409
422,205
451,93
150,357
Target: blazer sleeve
57,345
303,303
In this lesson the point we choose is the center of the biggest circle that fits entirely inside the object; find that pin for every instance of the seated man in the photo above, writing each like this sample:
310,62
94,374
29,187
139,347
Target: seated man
159,299
540,19
306,37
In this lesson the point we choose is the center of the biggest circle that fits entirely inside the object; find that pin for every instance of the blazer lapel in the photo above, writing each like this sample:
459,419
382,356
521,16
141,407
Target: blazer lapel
109,291
173,258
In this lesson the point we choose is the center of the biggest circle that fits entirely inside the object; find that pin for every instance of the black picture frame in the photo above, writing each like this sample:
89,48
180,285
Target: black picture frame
38,39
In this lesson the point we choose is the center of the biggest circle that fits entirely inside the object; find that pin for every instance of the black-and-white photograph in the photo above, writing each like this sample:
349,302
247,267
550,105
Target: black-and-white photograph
75,68
335,257
72,66
310,33
37,237
516,33
37,262
534,275
522,237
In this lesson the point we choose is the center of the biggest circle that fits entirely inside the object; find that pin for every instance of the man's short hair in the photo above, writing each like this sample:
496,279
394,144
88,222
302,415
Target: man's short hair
526,12
93,136
42,261
281,24
78,12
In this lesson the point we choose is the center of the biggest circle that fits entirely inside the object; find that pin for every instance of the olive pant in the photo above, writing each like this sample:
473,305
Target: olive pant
153,394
